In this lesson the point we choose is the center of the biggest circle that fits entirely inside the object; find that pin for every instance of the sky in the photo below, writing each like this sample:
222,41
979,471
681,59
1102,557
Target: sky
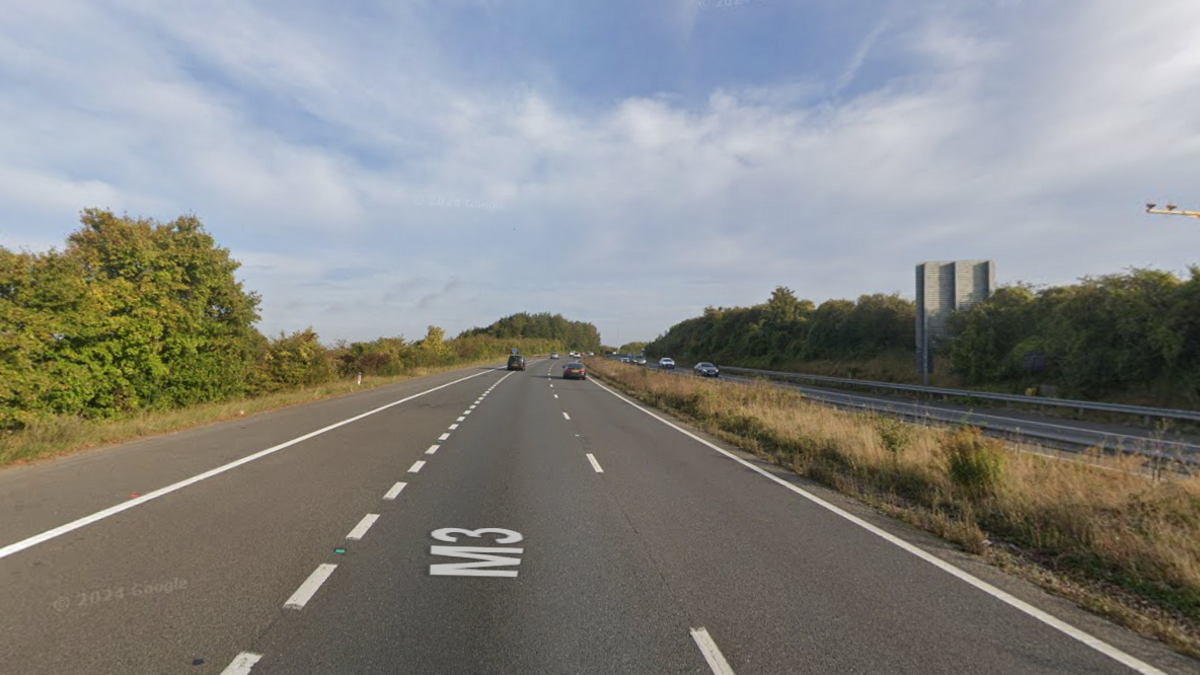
381,166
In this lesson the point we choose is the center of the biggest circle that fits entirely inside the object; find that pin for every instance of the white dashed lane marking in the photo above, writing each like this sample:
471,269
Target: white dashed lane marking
241,664
595,464
416,467
360,530
310,587
395,491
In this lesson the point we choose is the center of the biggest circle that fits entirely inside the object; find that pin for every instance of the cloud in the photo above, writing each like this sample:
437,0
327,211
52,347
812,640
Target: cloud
302,135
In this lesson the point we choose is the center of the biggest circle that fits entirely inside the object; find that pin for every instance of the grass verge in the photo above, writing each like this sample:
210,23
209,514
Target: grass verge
1115,542
54,436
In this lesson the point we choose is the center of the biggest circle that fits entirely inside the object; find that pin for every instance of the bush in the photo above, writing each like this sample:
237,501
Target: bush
974,463
894,434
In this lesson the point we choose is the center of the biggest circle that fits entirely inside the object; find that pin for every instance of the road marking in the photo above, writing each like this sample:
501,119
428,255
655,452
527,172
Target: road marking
1010,600
443,437
566,417
467,412
452,427
708,648
310,587
395,491
360,530
416,467
485,556
461,418
556,396
595,464
241,664
473,405
113,510
432,449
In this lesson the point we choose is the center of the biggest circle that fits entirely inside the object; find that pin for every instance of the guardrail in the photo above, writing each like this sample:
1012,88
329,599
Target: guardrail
1097,406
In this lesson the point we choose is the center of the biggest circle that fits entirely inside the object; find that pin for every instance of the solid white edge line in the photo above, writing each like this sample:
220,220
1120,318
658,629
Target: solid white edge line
137,501
566,417
416,466
714,657
360,530
395,491
595,464
1046,618
242,664
432,449
310,586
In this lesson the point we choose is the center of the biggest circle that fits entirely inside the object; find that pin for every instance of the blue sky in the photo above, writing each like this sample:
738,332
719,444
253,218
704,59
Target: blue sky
381,166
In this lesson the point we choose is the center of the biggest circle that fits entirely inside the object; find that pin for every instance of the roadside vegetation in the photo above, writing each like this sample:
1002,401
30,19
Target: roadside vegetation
1132,337
138,326
1116,541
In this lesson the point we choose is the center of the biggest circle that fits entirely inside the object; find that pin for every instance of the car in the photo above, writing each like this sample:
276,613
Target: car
626,359
554,355
640,360
666,363
516,362
575,371
706,369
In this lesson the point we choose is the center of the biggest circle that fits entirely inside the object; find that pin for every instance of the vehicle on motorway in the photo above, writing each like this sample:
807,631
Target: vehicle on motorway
554,355
666,363
706,369
626,359
516,362
640,360
575,371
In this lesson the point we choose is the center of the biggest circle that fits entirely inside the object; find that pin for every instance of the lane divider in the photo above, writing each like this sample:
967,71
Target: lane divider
1020,605
716,660
432,449
595,464
360,530
242,664
310,586
395,491
416,467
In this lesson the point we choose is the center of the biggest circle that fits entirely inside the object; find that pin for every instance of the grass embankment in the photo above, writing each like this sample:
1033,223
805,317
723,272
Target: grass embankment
59,435
1114,541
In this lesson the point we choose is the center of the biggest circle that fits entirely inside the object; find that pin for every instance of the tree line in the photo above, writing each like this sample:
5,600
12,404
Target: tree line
134,314
786,329
1136,332
574,335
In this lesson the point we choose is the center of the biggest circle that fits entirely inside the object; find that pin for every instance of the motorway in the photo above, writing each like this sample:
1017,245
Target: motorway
483,521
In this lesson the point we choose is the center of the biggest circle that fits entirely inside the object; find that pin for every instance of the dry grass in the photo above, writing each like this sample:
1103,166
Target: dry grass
59,435
1088,526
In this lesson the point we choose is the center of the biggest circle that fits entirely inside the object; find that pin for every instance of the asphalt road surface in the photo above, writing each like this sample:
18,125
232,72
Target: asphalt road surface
492,522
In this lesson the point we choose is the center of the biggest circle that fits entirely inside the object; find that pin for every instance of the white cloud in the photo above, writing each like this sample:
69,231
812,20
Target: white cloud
1016,131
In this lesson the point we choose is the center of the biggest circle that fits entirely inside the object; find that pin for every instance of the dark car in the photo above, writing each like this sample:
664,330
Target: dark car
575,371
706,369
516,362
